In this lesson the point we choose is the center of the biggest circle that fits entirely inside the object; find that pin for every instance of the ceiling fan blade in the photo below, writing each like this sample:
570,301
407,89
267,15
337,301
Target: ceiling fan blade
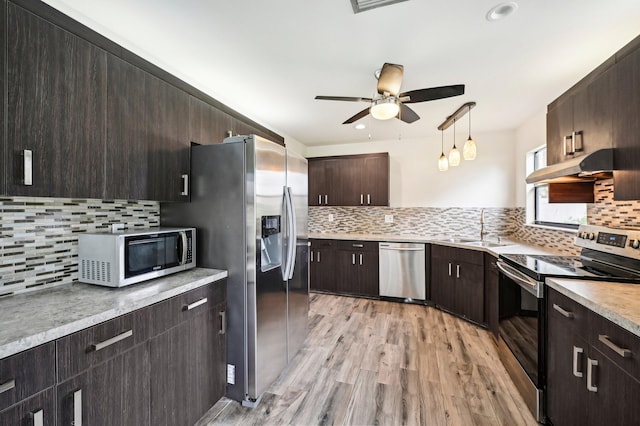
433,93
390,79
358,116
342,98
407,114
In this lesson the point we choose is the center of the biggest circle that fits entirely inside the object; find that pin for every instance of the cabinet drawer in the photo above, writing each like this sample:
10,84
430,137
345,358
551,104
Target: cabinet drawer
171,312
79,351
26,374
359,246
568,313
319,243
619,345
457,254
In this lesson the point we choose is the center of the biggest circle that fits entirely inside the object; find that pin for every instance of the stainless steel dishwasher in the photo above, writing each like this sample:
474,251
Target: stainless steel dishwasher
402,271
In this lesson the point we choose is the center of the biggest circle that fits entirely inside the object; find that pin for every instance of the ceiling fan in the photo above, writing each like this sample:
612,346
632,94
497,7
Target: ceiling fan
389,102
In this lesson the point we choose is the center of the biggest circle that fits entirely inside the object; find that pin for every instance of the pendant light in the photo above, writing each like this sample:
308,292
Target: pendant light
454,154
443,163
469,149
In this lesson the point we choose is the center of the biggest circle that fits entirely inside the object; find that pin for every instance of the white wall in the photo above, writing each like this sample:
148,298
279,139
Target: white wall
488,181
530,135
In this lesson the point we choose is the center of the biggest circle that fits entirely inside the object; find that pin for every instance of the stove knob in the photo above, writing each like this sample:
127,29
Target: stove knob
592,236
635,244
582,235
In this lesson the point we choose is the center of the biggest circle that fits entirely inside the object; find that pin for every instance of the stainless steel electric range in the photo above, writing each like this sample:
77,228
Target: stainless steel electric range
606,254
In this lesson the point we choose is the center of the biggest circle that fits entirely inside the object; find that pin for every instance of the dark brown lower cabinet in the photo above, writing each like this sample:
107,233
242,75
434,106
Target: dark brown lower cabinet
589,382
28,412
113,393
357,268
188,363
322,265
457,281
491,289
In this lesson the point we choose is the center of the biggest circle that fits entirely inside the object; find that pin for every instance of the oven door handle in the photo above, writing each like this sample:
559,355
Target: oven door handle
529,284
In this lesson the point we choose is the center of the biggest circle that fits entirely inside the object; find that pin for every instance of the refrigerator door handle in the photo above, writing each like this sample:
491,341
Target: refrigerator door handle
292,234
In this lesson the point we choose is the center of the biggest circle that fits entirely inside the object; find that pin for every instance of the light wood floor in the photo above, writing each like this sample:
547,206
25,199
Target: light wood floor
369,362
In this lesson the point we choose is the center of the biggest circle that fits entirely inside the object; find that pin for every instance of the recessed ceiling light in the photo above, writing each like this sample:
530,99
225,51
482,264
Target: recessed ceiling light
360,126
501,11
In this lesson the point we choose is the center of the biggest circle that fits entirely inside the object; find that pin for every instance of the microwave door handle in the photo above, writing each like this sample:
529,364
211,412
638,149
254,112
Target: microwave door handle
183,245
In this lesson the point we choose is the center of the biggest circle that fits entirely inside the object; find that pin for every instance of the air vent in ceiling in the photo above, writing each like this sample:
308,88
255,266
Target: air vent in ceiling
364,5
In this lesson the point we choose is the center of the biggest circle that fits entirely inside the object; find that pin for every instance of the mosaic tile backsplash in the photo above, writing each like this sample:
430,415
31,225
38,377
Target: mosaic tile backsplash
465,222
38,236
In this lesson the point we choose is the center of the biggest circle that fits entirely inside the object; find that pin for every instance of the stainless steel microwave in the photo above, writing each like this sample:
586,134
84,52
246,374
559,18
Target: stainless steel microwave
117,259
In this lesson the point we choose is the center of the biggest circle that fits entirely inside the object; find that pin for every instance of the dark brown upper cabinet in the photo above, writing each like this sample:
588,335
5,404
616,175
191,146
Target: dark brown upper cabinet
207,125
581,122
3,76
147,135
626,128
350,180
56,110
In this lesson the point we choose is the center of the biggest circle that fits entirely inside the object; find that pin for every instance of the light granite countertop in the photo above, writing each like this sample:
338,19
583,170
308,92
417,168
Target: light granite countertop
31,319
508,246
618,302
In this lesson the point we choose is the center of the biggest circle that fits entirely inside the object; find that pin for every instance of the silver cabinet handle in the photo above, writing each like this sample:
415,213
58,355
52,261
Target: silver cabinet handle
357,245
564,145
113,340
27,155
77,408
319,199
624,353
591,363
360,258
38,418
574,146
195,304
312,255
185,185
326,199
6,386
369,199
223,322
562,311
318,257
353,258
457,271
361,199
449,269
576,352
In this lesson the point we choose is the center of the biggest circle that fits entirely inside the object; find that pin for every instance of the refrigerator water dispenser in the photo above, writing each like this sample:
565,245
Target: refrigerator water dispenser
270,243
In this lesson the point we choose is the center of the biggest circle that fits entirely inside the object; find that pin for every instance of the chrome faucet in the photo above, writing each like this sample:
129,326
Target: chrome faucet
482,231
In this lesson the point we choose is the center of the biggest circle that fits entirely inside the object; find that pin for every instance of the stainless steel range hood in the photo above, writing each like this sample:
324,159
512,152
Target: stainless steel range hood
593,166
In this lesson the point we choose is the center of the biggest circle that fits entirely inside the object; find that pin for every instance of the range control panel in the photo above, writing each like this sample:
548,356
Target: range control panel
623,242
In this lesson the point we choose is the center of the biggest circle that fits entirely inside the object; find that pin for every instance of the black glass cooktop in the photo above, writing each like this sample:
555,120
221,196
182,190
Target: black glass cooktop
548,265
542,266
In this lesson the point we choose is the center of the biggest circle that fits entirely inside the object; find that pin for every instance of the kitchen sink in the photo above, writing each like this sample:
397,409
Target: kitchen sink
487,244
458,240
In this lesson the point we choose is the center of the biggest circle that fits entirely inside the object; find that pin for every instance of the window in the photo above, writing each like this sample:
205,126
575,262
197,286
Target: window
563,215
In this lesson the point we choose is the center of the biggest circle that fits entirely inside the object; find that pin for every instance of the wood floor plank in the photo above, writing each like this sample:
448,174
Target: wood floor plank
375,362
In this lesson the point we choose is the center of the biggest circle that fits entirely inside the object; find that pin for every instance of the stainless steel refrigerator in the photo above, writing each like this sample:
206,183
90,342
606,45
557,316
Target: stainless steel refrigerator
249,206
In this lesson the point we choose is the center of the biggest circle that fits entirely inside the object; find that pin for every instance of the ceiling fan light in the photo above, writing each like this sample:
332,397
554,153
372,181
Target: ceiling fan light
385,108
454,157
443,163
469,149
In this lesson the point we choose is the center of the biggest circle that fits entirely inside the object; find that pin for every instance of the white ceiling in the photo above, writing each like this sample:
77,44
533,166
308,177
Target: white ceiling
268,59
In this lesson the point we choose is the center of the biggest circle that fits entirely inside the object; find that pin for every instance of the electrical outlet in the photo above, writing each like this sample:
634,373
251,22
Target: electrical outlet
331,218
115,227
388,218
231,374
